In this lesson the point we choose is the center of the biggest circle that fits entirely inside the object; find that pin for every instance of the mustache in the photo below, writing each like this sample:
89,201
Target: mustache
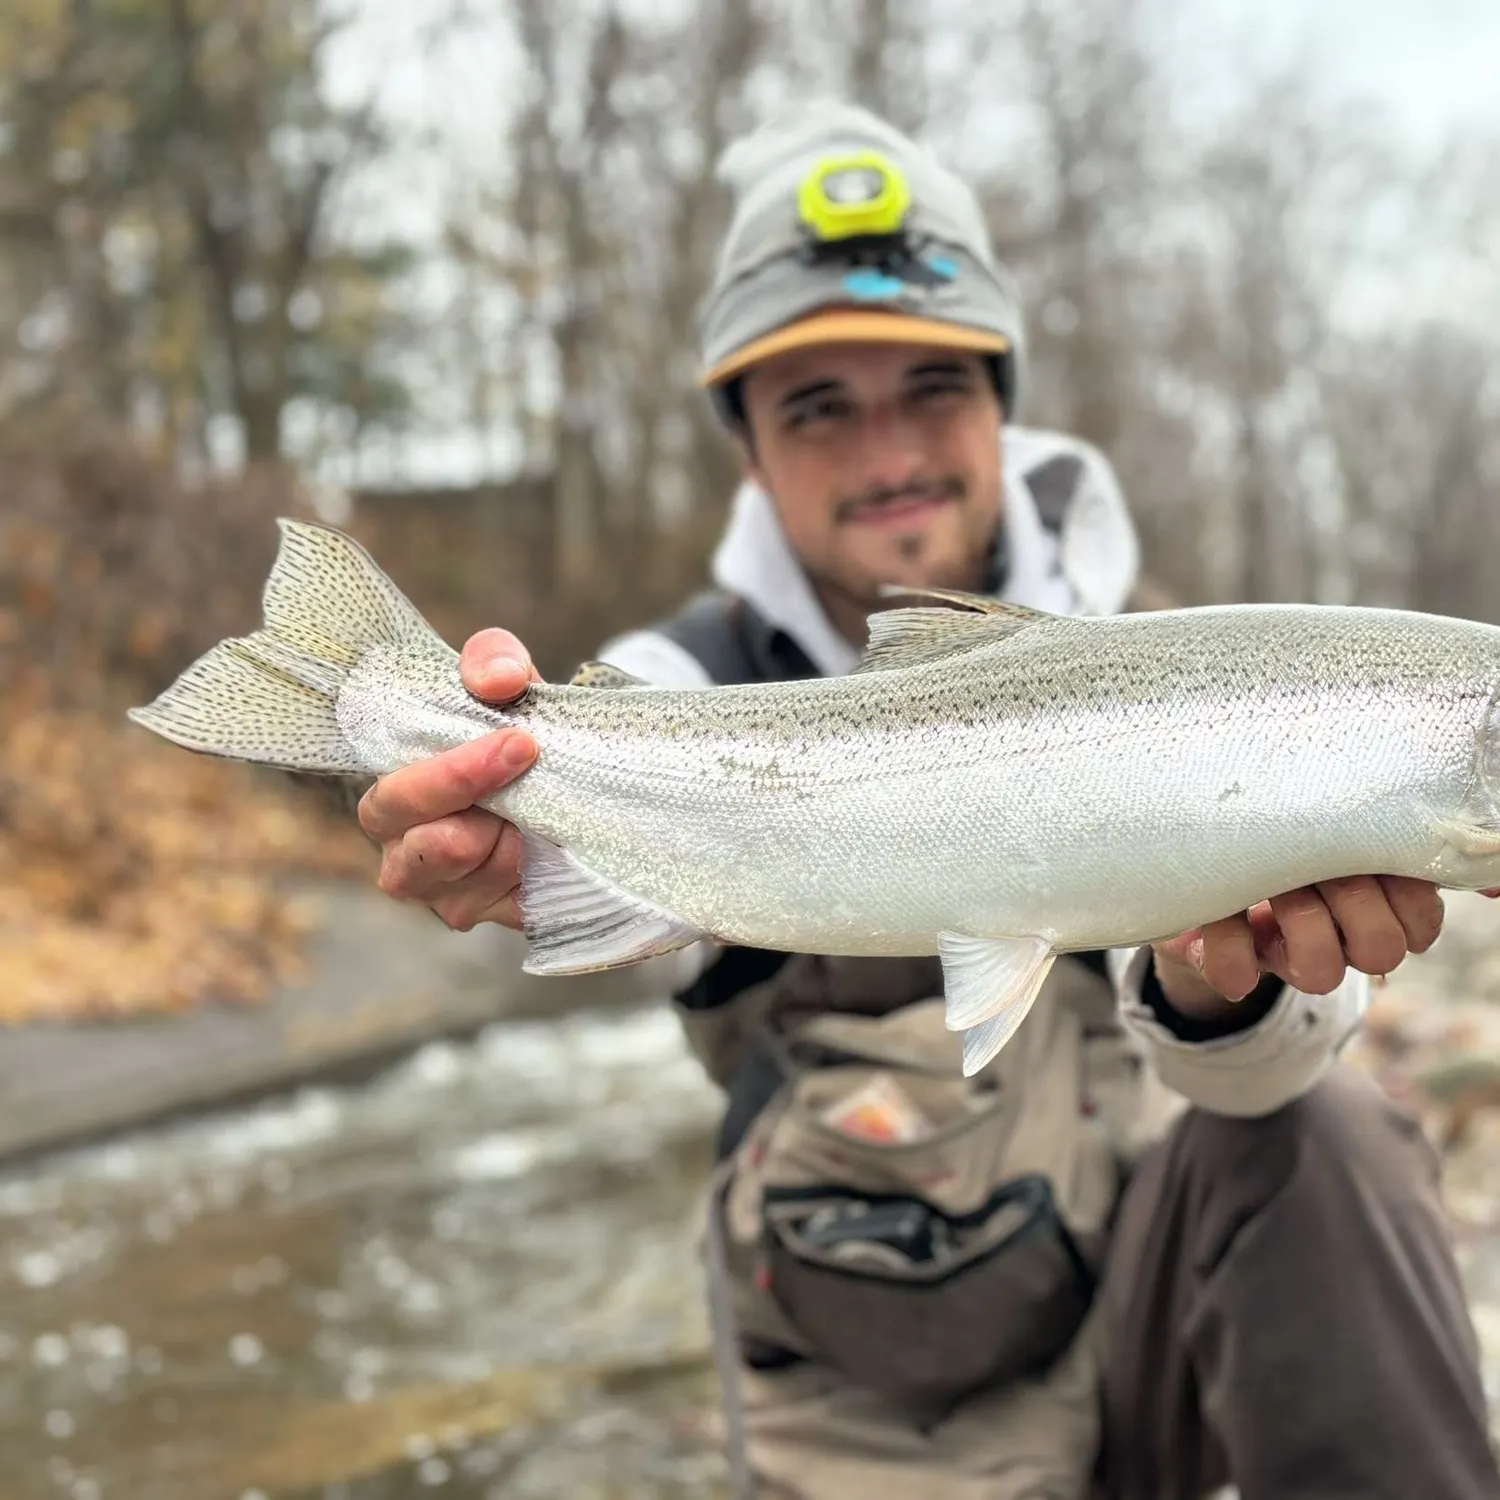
949,487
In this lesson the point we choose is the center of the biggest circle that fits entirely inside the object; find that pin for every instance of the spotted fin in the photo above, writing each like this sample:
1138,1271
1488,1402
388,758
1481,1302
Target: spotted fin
600,674
271,697
577,922
991,985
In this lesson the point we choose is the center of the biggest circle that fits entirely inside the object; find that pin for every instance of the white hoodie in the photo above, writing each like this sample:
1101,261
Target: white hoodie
1070,548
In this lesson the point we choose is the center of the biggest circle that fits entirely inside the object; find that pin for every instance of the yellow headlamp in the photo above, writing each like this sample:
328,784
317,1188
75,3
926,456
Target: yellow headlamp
860,194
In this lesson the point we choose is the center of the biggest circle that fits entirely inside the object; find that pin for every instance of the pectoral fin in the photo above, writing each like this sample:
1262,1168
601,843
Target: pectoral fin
1478,840
991,985
577,922
1476,829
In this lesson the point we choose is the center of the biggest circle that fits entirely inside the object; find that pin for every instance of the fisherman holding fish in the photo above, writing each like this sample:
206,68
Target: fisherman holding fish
1164,1242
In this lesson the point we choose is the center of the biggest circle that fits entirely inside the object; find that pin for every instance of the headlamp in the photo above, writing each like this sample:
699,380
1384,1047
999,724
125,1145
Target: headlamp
854,196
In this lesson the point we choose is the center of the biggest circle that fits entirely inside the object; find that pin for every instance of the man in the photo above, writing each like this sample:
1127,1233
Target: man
1277,1305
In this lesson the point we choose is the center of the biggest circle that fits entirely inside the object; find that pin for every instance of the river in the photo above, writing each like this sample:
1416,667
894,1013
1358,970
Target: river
473,1275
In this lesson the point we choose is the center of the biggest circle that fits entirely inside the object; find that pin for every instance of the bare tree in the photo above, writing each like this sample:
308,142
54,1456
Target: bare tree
1197,305
613,204
170,197
1412,422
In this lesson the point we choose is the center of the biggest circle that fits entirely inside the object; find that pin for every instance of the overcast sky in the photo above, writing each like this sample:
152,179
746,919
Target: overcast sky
1436,63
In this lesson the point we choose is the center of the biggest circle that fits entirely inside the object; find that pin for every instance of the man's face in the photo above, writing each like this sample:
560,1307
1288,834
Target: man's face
883,461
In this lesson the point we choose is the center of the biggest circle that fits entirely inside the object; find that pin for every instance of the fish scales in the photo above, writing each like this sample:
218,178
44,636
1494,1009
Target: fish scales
989,778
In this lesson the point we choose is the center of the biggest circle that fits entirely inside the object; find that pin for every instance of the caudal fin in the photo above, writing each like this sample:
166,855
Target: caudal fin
270,697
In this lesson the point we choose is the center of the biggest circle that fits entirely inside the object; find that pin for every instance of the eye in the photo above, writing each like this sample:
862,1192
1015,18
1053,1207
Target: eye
816,409
934,390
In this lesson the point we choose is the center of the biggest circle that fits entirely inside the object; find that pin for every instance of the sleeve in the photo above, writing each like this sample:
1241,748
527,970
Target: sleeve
1254,1071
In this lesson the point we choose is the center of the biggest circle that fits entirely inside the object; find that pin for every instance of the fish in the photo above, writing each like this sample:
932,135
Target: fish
992,784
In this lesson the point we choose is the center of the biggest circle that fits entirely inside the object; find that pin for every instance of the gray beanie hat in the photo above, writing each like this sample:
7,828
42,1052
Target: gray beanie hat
844,229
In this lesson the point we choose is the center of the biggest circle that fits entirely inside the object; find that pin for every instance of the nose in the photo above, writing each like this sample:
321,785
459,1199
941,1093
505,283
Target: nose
890,452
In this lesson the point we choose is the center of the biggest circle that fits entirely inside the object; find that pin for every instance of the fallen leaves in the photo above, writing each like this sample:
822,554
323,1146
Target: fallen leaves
136,878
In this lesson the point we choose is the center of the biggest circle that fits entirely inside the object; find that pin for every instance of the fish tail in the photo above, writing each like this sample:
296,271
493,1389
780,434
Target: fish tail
272,697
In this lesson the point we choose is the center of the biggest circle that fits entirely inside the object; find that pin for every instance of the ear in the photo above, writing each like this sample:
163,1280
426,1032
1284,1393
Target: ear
739,425
750,466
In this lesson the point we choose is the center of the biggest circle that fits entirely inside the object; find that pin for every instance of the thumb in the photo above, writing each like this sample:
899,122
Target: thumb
495,666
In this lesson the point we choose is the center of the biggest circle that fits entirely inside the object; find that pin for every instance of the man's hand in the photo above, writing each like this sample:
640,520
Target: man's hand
437,847
1309,938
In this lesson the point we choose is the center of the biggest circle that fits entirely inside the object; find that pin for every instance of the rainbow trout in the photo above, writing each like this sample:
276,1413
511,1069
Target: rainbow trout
992,784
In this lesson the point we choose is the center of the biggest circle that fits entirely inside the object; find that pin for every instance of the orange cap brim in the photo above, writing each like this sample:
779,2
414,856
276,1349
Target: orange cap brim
841,325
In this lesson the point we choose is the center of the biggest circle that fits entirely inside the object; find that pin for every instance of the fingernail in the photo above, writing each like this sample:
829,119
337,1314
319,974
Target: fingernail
1195,953
516,752
502,666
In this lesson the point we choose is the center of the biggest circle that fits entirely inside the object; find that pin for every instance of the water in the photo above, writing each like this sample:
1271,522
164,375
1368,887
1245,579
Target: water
473,1277
474,1274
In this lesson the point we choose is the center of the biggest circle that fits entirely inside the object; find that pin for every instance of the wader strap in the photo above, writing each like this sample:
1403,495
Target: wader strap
726,1341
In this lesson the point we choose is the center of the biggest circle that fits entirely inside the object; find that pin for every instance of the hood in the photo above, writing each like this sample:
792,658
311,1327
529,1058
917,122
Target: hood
1069,550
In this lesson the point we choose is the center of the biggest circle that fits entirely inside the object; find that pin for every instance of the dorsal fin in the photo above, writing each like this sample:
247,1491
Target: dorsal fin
924,634
981,604
600,674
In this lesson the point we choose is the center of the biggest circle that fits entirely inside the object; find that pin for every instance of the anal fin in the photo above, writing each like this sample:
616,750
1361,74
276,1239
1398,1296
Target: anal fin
577,923
991,985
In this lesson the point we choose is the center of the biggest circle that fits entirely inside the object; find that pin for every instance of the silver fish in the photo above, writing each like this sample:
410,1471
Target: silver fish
992,784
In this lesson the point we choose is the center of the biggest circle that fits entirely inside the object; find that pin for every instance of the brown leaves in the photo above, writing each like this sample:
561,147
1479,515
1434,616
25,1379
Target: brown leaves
135,877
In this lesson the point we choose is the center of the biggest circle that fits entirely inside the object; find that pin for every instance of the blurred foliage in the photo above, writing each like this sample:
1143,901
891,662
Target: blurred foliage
113,574
135,877
165,181
168,172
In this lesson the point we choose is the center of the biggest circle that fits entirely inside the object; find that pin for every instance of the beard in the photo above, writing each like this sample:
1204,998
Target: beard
916,558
